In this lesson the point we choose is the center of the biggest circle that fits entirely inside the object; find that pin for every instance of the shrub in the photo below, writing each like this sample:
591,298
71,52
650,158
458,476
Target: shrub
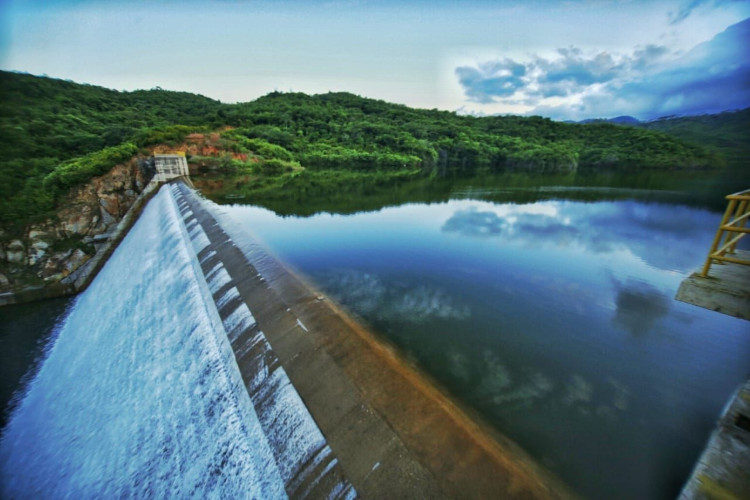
171,134
276,167
79,170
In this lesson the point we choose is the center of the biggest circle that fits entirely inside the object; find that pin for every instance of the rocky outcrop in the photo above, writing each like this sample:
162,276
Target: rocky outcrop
51,250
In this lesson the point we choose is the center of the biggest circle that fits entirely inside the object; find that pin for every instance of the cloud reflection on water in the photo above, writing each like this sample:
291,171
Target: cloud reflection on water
683,233
368,294
639,306
504,387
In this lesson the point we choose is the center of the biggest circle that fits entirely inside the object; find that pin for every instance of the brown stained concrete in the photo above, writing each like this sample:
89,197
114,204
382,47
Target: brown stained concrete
395,432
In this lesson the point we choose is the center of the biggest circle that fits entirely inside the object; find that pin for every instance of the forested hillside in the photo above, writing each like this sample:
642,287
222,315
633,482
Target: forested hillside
726,133
48,118
327,129
57,134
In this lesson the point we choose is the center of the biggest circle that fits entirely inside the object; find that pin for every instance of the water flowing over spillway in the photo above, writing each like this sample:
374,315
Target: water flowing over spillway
141,395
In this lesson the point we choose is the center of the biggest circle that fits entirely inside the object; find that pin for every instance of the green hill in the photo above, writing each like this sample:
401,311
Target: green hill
59,133
726,133
47,118
326,129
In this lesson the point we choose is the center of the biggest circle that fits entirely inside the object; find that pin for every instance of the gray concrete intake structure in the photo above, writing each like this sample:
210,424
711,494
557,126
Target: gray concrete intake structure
390,432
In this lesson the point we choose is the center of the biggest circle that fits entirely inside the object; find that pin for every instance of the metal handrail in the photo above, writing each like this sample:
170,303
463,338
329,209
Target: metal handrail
738,210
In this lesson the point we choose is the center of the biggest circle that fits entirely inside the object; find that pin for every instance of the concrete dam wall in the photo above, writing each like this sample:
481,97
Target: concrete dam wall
195,364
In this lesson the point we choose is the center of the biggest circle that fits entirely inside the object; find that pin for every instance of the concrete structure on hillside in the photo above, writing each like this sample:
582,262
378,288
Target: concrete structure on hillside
170,166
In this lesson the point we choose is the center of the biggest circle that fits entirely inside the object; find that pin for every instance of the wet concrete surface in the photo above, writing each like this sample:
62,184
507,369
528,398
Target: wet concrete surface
393,430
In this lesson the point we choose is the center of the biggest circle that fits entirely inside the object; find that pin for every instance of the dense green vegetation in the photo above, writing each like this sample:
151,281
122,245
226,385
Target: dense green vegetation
726,133
47,118
335,129
52,130
57,134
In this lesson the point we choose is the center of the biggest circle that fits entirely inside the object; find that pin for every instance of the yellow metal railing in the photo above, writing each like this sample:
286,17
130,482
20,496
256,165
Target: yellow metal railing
725,242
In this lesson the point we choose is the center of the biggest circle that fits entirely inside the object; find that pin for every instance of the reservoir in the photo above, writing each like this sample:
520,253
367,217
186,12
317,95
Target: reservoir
26,330
547,310
544,308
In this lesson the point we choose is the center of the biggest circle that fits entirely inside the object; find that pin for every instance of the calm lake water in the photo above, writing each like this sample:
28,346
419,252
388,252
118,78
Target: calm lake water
25,331
554,318
546,304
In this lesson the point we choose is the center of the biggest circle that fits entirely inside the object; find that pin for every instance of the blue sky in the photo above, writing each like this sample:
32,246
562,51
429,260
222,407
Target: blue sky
566,59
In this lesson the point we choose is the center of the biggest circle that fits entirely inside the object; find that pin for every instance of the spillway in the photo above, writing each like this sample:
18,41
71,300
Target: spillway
141,394
195,364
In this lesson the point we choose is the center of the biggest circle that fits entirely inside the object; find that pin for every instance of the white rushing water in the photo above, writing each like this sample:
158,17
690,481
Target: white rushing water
140,395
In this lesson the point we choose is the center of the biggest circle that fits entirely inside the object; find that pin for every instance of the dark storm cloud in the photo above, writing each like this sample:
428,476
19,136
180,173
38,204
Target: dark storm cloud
685,11
712,77
645,57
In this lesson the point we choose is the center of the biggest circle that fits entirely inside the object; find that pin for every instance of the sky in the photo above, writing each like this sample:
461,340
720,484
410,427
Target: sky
568,60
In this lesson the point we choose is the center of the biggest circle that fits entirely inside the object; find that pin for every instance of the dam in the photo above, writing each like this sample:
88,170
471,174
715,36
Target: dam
196,365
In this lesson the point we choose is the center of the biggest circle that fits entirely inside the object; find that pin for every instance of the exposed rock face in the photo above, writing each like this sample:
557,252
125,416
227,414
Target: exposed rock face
52,249
76,260
53,265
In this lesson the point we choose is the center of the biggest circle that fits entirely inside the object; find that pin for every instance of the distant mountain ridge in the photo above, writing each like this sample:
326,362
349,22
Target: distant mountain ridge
620,120
631,120
727,133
